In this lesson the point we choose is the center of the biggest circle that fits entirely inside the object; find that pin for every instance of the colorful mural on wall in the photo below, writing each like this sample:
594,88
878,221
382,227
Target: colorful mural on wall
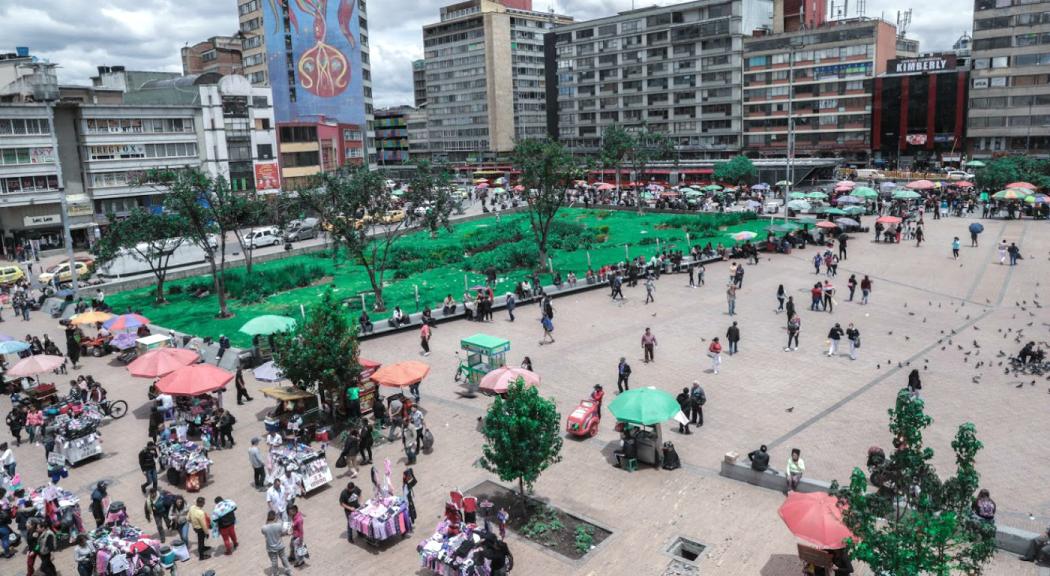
321,77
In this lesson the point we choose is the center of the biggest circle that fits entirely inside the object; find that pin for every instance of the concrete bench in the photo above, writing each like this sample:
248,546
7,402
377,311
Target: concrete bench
1007,538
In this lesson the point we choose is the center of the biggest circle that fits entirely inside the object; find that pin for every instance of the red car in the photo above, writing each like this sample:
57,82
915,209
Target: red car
583,421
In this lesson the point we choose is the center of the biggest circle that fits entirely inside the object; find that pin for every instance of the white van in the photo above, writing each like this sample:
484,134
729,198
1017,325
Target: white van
869,174
262,237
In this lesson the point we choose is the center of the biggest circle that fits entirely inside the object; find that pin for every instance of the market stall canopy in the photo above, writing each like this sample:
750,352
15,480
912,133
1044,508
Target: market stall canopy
604,187
711,188
962,184
827,225
33,365
498,380
797,195
268,324
849,199
921,185
194,380
783,227
835,211
889,220
783,183
268,372
799,205
482,185
124,341
285,393
645,406
845,184
1037,199
1011,194
815,517
401,374
864,192
13,346
853,210
91,317
1024,185
162,361
125,322
760,186
806,220
485,342
846,222
817,196
906,195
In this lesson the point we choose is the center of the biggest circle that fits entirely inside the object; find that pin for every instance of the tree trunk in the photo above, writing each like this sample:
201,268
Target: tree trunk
160,288
521,492
377,288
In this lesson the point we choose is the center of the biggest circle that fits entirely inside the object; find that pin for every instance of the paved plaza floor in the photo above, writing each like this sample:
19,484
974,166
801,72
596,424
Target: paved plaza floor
832,409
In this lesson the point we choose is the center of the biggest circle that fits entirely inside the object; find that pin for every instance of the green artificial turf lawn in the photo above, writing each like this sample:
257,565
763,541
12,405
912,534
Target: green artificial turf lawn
197,316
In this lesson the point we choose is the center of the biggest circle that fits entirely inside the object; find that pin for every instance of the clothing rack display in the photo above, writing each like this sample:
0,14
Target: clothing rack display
60,507
382,518
448,552
76,432
123,549
306,468
187,463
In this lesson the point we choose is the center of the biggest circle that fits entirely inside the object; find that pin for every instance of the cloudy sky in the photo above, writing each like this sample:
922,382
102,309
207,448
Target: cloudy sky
147,34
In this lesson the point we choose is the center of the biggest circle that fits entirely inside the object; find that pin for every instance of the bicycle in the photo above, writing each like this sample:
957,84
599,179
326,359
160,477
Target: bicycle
115,409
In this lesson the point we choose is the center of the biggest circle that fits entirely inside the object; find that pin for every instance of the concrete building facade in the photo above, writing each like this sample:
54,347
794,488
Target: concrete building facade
485,77
820,80
219,54
419,82
392,147
1010,83
675,69
253,42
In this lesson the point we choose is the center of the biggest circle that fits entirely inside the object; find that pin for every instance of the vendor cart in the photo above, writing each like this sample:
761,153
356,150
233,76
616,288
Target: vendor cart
77,437
484,354
304,468
382,518
583,421
187,463
151,342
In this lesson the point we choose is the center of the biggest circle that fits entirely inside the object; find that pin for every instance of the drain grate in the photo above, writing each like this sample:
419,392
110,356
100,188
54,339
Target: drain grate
682,548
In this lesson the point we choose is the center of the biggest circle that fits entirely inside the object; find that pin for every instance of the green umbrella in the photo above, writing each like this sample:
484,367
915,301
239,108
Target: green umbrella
712,188
817,196
1010,194
267,325
906,195
835,211
645,406
853,210
693,193
864,192
398,192
806,220
797,195
975,164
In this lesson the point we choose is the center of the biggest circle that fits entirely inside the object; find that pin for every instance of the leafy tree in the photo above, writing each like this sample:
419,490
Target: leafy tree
738,170
616,145
522,436
198,200
146,237
320,353
431,187
648,146
914,523
355,203
242,214
547,169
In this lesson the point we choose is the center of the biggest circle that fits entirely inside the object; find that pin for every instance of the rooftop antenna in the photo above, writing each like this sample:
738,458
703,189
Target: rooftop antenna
862,7
903,21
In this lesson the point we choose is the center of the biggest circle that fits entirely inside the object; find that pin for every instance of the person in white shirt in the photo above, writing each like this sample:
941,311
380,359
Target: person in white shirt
277,499
7,459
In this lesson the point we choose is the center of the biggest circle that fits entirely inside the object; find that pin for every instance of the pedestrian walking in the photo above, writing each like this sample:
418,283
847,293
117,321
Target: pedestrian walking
424,338
817,261
732,338
273,532
46,544
224,517
257,463
865,289
1003,246
973,238
298,553
731,298
99,502
700,274
834,335
852,285
156,509
692,276
698,399
919,236
84,554
955,248
738,277
714,352
853,335
648,346
623,375
511,304
148,465
548,329
789,308
650,287
616,281
793,327
684,402
816,293
842,246
242,389
829,296
277,498
201,525
1014,252
367,442
180,519
781,294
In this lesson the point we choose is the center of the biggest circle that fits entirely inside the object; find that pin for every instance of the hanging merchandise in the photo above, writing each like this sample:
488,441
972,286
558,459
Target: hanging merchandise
305,469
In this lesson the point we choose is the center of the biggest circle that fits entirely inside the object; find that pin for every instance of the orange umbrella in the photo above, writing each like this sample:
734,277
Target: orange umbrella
91,317
194,380
815,517
401,374
162,361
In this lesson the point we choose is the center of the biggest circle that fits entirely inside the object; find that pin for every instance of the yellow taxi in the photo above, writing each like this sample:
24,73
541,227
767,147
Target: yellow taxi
11,274
63,274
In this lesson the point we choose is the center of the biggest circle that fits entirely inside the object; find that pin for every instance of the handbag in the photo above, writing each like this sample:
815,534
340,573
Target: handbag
301,551
341,461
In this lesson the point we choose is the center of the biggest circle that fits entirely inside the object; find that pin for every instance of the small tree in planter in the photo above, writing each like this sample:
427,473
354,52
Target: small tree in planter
522,436
915,523
320,354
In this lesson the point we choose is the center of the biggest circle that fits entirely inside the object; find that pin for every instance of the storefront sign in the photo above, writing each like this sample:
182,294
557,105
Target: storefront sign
938,63
45,220
267,176
916,139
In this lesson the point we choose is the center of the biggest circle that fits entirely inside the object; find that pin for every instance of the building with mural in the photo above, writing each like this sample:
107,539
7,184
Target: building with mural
317,58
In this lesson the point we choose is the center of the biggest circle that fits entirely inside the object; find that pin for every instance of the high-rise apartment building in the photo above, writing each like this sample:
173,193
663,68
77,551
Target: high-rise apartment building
318,65
1010,83
674,69
392,135
419,82
219,54
486,77
821,80
253,42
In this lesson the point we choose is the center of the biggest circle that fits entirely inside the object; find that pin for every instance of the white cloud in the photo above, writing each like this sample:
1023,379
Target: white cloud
147,34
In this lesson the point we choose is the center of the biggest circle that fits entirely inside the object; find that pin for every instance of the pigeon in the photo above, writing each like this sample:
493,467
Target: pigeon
924,320
878,366
890,333
975,344
907,338
792,409
1019,385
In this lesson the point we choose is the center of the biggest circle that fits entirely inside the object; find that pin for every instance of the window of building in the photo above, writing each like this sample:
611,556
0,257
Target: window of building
607,30
24,126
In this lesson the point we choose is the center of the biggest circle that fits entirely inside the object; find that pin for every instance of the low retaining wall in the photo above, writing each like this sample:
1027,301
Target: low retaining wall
1006,538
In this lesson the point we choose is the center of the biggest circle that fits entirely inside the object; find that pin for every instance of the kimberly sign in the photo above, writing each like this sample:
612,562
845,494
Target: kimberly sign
937,63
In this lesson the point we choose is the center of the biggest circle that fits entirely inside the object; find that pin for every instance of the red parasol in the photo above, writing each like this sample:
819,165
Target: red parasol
161,361
194,380
889,220
815,517
827,225
33,365
921,185
501,378
401,374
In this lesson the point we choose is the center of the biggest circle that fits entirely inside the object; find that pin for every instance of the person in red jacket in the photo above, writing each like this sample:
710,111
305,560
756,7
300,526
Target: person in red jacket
714,352
597,395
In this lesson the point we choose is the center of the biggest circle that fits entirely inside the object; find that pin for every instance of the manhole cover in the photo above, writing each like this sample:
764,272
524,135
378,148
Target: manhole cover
684,549
679,568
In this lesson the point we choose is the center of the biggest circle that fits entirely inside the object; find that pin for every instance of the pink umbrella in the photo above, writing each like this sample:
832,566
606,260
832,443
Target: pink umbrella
500,379
963,184
482,185
843,188
826,224
604,187
1024,185
161,361
33,365
194,380
845,184
921,185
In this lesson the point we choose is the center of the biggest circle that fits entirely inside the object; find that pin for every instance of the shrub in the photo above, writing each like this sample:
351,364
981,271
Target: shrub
175,289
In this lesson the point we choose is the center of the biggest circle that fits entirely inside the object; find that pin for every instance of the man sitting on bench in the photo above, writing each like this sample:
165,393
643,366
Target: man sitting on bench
398,318
449,306
365,322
